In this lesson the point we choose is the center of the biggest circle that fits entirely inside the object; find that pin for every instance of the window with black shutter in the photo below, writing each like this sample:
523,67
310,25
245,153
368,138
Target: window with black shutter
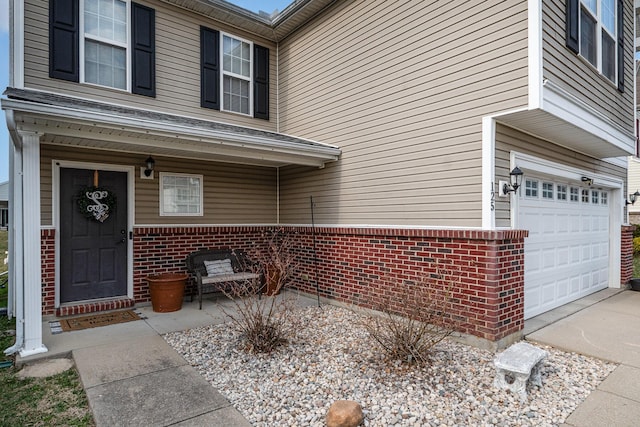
234,74
595,31
96,49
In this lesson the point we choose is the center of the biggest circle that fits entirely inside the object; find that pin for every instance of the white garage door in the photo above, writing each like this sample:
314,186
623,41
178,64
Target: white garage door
567,251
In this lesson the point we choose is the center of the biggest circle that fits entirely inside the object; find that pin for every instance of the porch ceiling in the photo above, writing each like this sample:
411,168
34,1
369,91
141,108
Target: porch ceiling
546,125
94,125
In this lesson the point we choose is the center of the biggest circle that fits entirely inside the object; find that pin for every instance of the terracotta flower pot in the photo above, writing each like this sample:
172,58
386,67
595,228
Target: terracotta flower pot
167,291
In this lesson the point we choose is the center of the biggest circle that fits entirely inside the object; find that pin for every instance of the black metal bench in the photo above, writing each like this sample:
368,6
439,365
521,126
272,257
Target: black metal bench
216,282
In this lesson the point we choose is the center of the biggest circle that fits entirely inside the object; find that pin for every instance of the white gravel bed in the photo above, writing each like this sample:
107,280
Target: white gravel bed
332,358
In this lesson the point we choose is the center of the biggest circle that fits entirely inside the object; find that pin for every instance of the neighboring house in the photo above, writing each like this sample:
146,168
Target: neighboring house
403,121
4,204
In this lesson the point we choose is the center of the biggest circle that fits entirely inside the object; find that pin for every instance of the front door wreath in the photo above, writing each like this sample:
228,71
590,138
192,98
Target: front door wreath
96,203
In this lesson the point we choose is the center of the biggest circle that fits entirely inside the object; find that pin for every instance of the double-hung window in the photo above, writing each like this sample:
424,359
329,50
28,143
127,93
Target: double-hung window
105,42
595,32
236,75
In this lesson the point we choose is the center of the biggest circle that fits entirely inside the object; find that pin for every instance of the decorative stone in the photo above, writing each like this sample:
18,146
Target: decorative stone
345,413
518,365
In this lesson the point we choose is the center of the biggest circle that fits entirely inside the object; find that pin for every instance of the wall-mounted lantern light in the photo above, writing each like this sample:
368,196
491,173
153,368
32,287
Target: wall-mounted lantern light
516,181
587,181
632,198
149,163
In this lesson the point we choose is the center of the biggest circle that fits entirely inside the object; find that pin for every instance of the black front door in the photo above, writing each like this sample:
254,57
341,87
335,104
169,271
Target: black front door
93,254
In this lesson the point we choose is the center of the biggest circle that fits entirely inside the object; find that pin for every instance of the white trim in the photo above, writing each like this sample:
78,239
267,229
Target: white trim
535,53
488,173
184,132
616,212
161,211
17,72
617,161
569,108
366,226
55,206
32,239
234,75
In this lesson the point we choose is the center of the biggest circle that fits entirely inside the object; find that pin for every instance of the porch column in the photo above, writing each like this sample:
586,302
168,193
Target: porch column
32,264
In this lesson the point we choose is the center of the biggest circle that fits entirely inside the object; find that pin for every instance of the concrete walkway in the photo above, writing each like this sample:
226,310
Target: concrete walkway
134,378
605,330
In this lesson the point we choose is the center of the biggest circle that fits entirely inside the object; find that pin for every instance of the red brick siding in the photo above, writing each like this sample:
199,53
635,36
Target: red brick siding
164,249
48,265
486,266
486,269
626,254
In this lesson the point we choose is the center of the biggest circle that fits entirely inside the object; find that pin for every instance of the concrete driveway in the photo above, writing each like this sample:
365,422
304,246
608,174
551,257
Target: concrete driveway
609,330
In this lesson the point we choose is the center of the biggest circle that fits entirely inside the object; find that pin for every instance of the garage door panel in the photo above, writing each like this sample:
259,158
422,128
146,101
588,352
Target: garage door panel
567,251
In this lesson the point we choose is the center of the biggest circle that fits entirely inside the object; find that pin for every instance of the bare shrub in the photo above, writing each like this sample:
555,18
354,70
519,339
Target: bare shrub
265,321
413,316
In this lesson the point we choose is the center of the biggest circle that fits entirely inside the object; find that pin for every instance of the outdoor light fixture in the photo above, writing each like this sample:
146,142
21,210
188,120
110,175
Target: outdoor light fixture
150,163
587,181
516,181
632,198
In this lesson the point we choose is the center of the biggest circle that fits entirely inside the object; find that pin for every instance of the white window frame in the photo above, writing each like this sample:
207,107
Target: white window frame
598,42
200,212
238,76
126,46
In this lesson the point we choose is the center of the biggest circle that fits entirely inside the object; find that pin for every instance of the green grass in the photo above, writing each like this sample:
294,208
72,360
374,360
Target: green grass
58,400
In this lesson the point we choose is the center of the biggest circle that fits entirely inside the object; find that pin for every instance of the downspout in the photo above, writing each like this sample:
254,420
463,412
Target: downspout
16,281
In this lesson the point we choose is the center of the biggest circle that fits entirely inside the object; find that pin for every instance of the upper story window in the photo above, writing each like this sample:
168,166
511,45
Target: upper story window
109,43
236,75
105,43
595,31
598,35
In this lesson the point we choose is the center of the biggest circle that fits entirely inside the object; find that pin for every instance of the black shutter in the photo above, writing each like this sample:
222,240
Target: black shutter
63,40
573,26
621,45
209,68
260,82
143,52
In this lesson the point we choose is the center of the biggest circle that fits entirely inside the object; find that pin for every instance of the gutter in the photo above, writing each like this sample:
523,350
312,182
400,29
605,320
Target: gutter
15,302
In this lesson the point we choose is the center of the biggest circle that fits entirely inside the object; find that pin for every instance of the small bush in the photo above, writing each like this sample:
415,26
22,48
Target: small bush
266,322
414,317
636,246
636,232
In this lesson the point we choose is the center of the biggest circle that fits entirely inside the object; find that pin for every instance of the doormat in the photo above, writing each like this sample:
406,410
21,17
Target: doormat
93,321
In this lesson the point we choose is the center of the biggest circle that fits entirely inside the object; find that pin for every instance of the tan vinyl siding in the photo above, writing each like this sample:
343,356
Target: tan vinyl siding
509,139
177,66
233,194
577,76
401,87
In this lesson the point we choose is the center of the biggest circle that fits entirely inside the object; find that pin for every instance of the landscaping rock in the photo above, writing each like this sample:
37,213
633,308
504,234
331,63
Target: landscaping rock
345,413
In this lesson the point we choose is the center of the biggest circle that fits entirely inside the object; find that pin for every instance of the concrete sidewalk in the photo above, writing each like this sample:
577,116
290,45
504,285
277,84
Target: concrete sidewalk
605,330
134,378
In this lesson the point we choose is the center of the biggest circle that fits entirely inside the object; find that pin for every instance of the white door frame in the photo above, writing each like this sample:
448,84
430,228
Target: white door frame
615,186
55,192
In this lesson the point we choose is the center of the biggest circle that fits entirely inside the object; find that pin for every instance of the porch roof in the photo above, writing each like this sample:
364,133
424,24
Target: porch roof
86,123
